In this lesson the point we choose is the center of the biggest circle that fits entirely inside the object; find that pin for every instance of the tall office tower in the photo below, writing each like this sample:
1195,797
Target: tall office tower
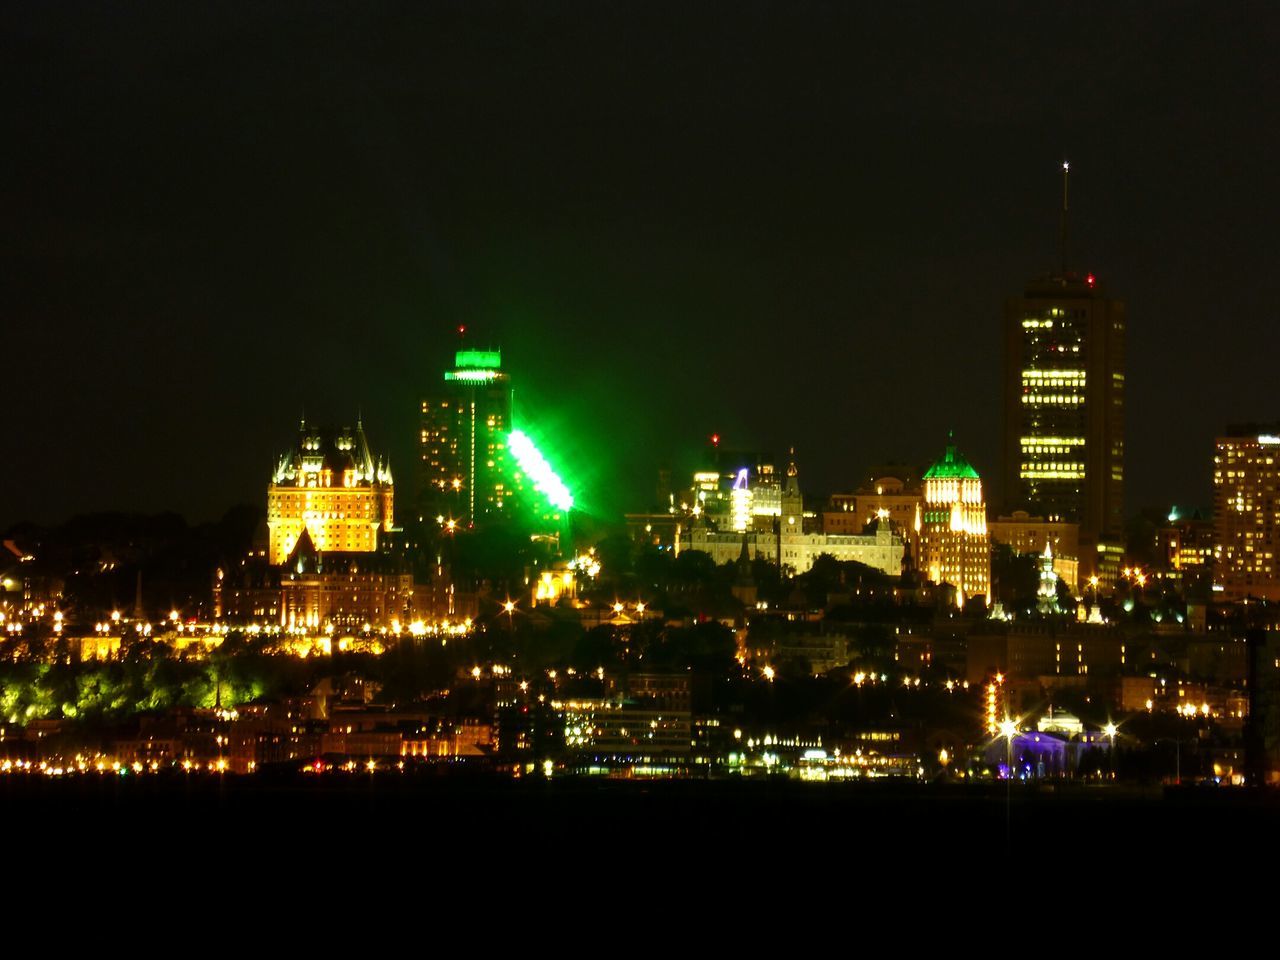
462,444
1064,409
951,527
1246,512
330,488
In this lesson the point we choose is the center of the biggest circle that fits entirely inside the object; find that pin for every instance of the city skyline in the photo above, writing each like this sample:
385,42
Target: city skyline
859,268
579,421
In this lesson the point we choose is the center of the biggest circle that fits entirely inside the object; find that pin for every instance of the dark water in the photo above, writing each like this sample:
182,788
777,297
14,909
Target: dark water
399,817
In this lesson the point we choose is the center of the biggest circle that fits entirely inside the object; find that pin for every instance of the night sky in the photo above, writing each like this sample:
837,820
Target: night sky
790,224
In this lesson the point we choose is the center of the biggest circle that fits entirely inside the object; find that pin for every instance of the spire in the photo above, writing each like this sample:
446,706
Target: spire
792,486
744,584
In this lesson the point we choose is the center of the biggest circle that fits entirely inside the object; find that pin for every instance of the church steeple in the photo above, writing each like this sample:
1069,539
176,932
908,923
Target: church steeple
792,499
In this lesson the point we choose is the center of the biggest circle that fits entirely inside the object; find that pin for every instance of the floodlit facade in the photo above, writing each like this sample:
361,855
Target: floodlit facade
1027,534
951,527
794,549
1064,410
1246,510
464,468
890,497
330,487
781,535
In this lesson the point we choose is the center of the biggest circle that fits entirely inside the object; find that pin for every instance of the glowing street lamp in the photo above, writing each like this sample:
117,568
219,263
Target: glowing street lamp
1111,730
1008,730
509,608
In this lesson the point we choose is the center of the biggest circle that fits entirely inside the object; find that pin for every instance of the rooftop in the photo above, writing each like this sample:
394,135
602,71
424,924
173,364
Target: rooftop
951,466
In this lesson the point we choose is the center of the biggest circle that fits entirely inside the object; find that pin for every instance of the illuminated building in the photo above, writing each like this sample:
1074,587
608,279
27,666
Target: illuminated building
463,469
331,487
951,527
557,582
1047,592
1027,534
796,550
783,539
734,489
1246,511
1064,408
1185,547
888,495
345,590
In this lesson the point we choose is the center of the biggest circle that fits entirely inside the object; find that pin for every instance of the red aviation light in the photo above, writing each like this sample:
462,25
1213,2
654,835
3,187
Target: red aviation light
1089,279
715,439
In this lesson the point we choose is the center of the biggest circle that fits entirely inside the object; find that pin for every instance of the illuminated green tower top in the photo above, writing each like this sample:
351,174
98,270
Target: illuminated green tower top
952,465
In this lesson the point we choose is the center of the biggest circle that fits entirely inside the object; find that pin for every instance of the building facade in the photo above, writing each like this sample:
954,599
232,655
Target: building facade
951,527
330,487
894,497
881,549
1064,409
464,469
1246,511
1026,534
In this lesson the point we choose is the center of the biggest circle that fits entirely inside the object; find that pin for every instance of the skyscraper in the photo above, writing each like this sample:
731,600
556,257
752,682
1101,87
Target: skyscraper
462,443
1246,512
1064,408
951,527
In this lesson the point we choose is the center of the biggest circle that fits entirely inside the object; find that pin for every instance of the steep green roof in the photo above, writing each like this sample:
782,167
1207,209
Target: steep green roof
952,466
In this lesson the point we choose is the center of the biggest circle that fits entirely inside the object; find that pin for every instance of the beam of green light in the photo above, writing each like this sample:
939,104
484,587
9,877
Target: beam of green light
538,470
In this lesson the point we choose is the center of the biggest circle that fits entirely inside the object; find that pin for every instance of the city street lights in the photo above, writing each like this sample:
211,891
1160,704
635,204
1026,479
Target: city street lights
510,609
1008,730
1110,730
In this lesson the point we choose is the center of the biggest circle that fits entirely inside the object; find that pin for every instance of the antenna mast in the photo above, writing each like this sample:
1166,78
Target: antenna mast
1066,173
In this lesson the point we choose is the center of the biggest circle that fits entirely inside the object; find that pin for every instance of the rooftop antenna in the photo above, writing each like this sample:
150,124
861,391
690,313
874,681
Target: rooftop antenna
1066,173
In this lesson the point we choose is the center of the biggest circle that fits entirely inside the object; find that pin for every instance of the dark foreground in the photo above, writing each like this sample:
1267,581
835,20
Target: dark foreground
420,822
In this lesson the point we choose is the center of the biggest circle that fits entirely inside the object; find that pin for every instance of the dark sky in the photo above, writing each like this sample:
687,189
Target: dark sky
789,223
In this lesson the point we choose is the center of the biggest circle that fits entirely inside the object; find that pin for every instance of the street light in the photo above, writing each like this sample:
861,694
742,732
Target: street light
510,609
1008,730
1110,730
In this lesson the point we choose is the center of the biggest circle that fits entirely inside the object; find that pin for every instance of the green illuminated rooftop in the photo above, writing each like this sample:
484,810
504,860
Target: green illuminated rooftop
952,466
478,359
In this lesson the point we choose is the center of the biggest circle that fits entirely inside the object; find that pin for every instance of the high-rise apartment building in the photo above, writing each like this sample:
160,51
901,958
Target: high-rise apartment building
1246,512
464,470
330,488
951,527
1064,408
